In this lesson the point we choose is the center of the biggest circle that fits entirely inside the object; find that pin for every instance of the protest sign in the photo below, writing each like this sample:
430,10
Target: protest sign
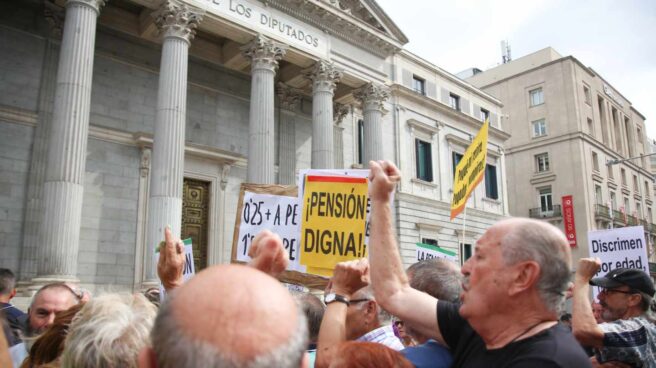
623,247
333,223
189,269
568,220
428,251
469,171
275,208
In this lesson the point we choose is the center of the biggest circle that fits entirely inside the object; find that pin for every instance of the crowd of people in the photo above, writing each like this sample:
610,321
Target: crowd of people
502,309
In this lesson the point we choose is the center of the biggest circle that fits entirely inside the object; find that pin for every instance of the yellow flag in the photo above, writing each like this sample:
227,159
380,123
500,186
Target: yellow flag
470,171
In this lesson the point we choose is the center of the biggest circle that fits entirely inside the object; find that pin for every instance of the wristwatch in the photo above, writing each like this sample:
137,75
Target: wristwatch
332,297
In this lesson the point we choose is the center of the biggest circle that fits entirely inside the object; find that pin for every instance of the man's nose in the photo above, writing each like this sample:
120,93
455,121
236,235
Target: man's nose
51,319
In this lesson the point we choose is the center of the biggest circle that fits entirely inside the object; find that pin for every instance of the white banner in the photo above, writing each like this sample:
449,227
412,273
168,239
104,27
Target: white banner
428,251
623,247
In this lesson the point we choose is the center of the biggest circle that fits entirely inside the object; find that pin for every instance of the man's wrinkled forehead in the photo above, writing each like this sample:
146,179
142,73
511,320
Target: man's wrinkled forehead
56,297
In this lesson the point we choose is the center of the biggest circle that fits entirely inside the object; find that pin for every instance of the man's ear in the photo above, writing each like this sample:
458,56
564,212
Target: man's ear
635,300
525,275
13,293
147,358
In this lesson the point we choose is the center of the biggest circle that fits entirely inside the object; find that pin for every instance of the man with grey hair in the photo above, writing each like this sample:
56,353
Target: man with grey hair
109,331
512,294
441,279
313,309
247,320
626,298
48,300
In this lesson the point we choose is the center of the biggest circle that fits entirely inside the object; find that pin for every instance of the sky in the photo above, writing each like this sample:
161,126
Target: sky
617,38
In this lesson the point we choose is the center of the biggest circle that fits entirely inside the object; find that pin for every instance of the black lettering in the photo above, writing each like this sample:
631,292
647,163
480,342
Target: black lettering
276,219
309,241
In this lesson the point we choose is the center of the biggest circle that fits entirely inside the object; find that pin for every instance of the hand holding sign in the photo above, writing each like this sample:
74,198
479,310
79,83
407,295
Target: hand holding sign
171,261
383,177
268,253
587,268
351,276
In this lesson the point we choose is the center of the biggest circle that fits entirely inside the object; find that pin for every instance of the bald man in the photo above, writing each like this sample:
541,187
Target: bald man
229,316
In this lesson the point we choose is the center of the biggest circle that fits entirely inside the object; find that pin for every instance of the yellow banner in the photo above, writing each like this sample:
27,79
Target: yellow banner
333,221
470,171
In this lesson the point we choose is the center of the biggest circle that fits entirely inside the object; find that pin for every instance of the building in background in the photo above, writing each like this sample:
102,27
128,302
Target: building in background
572,134
118,118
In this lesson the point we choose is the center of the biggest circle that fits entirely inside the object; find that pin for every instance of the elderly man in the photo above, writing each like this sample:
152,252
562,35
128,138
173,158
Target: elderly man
626,297
352,313
513,290
227,315
49,300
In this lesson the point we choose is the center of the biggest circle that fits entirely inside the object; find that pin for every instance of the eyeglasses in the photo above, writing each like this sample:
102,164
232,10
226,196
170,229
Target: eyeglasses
358,301
610,291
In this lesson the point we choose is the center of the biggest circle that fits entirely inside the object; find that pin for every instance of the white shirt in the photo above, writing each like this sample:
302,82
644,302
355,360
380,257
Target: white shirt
18,353
383,335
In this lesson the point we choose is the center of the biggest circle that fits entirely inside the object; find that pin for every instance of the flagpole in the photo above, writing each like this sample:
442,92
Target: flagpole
464,223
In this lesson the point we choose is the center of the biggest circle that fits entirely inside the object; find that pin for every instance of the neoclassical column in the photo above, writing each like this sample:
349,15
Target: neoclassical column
54,15
339,112
288,99
324,77
264,55
176,23
372,97
67,146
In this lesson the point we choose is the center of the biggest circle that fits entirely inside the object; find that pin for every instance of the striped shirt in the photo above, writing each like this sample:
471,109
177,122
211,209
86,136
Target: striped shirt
383,335
631,341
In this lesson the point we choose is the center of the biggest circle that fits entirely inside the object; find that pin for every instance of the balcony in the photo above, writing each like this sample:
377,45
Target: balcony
602,211
631,220
539,213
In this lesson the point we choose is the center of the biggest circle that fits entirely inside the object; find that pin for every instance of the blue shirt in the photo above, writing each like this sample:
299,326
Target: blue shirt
429,354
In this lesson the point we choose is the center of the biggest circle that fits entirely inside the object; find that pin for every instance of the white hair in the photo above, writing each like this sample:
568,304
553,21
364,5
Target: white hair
174,348
109,331
384,318
541,242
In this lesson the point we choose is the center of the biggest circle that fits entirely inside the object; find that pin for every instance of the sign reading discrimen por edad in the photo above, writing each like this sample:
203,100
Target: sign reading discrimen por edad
333,223
618,248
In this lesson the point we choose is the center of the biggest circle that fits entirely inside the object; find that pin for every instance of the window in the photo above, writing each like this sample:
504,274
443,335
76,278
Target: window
491,182
465,252
429,241
586,93
639,135
627,205
419,85
539,128
542,162
595,161
454,101
485,115
623,176
638,210
361,141
424,161
536,96
590,127
611,174
647,193
636,188
546,201
456,157
598,196
649,215
613,201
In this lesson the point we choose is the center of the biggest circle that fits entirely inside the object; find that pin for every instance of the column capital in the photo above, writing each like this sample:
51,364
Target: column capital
339,112
289,97
95,4
263,53
54,15
372,96
324,76
176,19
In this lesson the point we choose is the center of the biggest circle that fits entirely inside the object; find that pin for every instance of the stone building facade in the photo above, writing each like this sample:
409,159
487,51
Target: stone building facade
572,133
118,118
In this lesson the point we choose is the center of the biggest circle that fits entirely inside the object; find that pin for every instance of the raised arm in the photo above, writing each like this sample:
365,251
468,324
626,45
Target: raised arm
584,326
348,277
388,278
